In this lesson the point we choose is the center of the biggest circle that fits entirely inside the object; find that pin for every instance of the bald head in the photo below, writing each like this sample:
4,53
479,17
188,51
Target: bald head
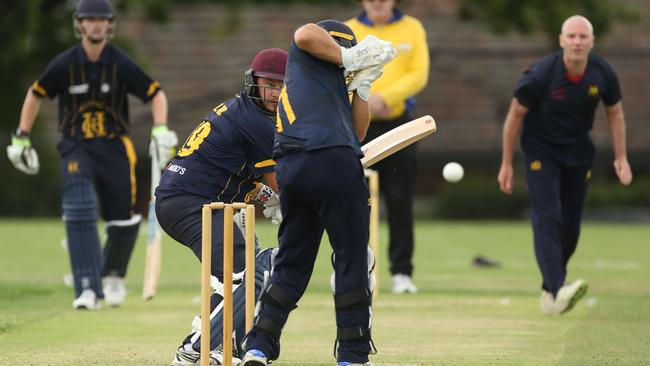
577,22
577,40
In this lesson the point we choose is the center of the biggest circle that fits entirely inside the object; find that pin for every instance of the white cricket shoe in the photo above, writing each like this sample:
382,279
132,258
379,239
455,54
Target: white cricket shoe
402,284
547,303
254,357
184,357
114,290
570,294
86,301
565,300
344,363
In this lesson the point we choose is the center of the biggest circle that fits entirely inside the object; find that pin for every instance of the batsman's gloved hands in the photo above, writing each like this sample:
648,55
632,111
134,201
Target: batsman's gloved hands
362,80
370,51
163,144
274,213
21,153
271,202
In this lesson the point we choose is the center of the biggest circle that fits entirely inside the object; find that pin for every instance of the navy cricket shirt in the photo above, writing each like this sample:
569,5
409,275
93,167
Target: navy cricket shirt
561,108
224,156
93,95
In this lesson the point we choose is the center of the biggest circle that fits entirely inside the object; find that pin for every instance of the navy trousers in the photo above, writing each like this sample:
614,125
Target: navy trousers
557,193
397,184
321,190
180,217
107,166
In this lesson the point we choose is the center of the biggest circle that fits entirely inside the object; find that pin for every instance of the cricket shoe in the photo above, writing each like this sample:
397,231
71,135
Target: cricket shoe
254,357
569,295
402,284
86,301
114,290
184,357
547,303
344,363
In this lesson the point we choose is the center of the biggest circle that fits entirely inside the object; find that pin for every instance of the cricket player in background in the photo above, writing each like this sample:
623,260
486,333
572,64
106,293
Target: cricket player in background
555,101
392,98
322,187
224,160
92,80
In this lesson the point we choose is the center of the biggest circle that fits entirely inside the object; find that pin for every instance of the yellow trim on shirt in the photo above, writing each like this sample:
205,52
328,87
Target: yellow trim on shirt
341,35
265,163
153,87
39,89
131,155
286,105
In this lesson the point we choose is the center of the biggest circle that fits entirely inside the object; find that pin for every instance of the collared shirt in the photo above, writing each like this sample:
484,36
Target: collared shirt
93,95
408,73
314,109
224,156
561,108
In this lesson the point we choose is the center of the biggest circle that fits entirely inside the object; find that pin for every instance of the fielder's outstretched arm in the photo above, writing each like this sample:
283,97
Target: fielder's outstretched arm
31,106
616,122
511,128
159,108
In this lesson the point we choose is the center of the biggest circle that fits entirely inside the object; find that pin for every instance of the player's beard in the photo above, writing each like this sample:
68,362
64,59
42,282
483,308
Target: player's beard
95,40
270,105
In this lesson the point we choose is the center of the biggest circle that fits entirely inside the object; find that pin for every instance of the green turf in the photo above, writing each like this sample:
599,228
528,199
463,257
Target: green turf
462,315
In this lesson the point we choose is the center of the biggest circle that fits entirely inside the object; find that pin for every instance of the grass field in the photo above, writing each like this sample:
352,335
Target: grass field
461,316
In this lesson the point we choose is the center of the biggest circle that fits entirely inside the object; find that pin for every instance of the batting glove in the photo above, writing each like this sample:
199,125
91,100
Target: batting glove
363,91
271,202
22,155
163,144
274,213
362,80
370,51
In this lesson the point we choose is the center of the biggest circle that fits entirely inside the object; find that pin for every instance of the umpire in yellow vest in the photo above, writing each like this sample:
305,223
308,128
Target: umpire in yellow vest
392,98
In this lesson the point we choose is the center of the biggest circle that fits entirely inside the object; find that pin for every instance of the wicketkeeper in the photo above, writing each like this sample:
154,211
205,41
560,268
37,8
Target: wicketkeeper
225,159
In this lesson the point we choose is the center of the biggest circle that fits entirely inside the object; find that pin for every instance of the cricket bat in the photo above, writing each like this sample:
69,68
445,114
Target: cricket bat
397,139
153,258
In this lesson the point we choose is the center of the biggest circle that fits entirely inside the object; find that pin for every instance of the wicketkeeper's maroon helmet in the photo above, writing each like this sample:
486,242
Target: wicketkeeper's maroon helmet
270,63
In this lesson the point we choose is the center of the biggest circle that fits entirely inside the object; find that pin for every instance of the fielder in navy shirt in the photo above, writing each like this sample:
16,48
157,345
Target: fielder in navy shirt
555,101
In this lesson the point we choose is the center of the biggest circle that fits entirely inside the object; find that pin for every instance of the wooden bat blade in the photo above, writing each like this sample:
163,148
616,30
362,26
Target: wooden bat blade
397,139
153,258
152,267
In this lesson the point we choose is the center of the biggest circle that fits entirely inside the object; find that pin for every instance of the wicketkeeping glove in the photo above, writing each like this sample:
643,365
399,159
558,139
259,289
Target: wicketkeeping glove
22,155
163,144
370,51
271,202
